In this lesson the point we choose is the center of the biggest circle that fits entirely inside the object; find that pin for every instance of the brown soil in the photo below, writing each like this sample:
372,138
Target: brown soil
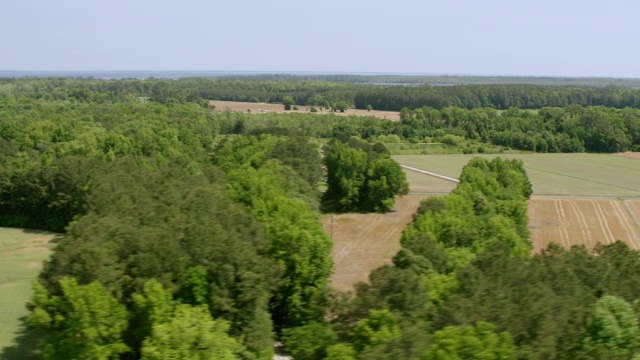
585,222
257,108
630,155
364,242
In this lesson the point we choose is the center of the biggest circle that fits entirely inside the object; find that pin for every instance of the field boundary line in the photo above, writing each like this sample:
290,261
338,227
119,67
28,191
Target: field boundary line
430,173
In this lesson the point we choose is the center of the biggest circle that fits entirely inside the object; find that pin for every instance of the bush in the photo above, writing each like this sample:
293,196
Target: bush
452,140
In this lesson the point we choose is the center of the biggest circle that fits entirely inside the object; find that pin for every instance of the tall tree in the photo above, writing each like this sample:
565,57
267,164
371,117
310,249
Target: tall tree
86,322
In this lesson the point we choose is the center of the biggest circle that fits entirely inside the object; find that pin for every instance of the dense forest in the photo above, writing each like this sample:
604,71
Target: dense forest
190,232
320,92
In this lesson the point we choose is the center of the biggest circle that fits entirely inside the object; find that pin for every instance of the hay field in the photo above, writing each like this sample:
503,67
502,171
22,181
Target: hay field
552,174
257,108
364,242
585,222
21,255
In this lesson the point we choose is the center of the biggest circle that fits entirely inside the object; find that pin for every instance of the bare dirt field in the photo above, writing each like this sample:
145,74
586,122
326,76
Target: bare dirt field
257,108
630,155
364,242
568,221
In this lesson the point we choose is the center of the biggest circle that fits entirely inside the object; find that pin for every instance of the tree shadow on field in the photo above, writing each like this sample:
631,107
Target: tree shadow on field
55,237
24,346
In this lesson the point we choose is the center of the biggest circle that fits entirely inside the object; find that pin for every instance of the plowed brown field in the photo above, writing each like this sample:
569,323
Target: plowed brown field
568,221
364,242
257,108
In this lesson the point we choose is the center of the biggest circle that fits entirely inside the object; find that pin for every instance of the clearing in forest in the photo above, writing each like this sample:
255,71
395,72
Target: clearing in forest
257,108
364,242
21,255
568,222
550,174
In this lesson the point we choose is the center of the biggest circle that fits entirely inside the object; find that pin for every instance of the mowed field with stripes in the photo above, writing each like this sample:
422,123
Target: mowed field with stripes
578,199
584,222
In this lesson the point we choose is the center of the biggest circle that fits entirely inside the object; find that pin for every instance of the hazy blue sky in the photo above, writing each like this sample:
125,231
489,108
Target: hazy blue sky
543,37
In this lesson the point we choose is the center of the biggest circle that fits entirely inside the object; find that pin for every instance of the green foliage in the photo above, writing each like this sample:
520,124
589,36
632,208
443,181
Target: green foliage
379,328
180,229
361,177
288,101
346,169
191,334
341,106
612,331
471,342
86,322
309,342
279,198
487,209
341,352
166,255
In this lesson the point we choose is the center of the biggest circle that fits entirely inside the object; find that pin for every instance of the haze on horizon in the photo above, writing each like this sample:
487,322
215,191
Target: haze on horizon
494,37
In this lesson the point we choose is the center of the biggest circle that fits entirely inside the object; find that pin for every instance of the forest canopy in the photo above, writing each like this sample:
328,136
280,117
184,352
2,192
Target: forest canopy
189,231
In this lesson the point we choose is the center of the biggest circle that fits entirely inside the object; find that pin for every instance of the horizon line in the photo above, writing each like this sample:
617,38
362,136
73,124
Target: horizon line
314,72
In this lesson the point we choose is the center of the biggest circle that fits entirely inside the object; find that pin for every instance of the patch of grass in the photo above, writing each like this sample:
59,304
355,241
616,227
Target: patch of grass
21,255
552,174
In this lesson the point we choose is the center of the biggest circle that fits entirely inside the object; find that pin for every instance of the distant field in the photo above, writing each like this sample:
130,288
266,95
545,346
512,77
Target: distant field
21,255
421,183
550,174
630,155
585,222
257,108
364,242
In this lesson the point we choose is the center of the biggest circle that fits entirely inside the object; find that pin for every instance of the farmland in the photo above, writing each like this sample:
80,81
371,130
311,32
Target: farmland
21,257
264,107
364,242
585,222
550,174
571,212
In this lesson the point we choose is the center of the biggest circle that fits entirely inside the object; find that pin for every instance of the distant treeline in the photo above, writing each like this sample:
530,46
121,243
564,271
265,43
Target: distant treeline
572,128
324,93
191,233
445,80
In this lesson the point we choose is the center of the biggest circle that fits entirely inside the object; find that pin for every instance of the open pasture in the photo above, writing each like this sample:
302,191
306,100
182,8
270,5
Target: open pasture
257,108
550,174
364,242
21,255
587,222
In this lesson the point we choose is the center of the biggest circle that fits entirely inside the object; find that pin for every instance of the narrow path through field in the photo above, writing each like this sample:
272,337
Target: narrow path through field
430,173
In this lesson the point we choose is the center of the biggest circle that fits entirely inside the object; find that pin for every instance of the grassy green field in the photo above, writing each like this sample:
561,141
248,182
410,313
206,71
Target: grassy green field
550,174
21,255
